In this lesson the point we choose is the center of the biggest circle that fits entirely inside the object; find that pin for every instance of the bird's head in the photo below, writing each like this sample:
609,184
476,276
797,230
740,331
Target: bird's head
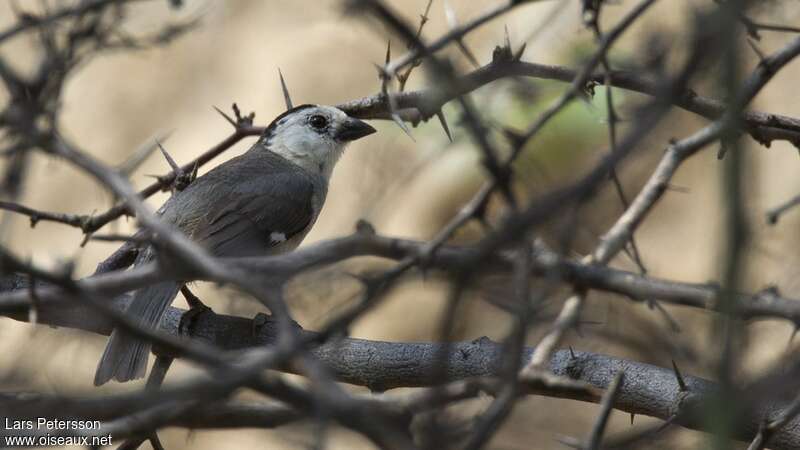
313,136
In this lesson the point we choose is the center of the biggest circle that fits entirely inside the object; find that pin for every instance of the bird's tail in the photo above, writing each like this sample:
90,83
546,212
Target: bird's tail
125,356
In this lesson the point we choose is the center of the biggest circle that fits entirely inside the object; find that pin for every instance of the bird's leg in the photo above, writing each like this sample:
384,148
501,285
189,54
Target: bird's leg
154,381
259,321
120,259
196,308
159,372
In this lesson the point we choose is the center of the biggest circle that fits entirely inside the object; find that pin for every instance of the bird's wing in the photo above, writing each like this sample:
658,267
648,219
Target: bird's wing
269,211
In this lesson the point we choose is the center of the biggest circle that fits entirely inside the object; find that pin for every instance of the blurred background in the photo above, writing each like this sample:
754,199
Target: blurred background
119,101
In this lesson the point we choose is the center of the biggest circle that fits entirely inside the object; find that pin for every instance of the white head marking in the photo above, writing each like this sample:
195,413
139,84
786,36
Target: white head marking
309,136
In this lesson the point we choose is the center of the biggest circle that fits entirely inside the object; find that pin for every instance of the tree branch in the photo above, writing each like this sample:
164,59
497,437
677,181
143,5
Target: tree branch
648,389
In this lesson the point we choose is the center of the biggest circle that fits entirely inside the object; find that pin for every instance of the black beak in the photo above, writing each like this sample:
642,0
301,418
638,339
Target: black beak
354,129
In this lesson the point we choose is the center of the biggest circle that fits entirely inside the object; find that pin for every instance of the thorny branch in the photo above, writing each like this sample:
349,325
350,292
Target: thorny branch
647,389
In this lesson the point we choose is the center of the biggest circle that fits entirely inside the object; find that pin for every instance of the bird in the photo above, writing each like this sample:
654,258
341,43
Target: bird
262,202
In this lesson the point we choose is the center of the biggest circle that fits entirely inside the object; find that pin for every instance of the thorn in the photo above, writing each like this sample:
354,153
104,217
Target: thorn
227,117
376,388
402,126
770,290
424,270
443,121
423,18
364,227
383,75
721,152
520,51
193,175
142,153
466,51
794,333
772,219
363,279
237,112
385,79
674,326
679,378
286,96
632,416
666,424
156,442
568,441
192,300
450,15
513,136
180,179
189,319
86,238
388,52
761,55
572,353
172,164
677,188
508,39
19,13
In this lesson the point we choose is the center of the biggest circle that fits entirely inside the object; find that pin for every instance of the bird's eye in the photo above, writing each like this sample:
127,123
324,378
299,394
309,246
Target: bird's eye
318,122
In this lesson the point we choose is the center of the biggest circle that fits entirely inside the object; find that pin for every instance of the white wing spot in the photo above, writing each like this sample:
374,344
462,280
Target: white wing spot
276,237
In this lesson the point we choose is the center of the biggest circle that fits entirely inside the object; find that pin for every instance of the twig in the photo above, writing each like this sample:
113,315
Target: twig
769,428
764,126
37,216
775,214
36,22
765,304
606,405
452,36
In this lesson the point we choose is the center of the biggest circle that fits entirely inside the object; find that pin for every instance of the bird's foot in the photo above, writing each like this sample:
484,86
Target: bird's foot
196,309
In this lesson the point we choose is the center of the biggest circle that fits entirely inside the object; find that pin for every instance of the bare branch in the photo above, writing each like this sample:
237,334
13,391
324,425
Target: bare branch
648,390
